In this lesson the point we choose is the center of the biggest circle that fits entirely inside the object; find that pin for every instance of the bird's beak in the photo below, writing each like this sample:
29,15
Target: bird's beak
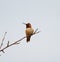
24,23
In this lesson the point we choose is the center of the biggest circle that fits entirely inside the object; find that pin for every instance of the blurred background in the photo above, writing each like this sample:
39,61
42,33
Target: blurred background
42,14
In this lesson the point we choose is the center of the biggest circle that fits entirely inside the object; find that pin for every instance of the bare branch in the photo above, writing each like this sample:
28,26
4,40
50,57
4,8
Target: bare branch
3,51
17,42
3,40
36,30
8,43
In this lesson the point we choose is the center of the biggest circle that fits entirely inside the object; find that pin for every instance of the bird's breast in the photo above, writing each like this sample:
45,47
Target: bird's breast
29,31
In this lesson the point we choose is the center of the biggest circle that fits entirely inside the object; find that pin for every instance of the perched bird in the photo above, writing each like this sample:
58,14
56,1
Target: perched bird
29,31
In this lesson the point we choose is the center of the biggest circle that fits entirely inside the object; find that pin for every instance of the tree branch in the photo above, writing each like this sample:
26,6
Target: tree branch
3,40
16,42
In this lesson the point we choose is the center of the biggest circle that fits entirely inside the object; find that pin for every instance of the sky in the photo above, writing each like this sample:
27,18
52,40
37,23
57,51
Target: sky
42,14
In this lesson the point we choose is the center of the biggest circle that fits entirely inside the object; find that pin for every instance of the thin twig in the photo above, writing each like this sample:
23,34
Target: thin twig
16,42
36,30
3,40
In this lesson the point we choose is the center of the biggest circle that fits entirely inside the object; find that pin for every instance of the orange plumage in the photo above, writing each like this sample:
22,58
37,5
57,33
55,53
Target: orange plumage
29,31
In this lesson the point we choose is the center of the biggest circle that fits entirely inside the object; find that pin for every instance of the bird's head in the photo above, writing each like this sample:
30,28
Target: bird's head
28,25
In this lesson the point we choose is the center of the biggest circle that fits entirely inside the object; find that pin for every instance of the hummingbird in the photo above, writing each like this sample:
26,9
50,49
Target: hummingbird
29,31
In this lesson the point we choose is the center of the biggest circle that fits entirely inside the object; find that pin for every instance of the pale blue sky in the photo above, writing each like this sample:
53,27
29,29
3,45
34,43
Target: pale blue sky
44,14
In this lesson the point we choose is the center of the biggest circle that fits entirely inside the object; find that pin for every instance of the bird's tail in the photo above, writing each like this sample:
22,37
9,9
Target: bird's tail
28,38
